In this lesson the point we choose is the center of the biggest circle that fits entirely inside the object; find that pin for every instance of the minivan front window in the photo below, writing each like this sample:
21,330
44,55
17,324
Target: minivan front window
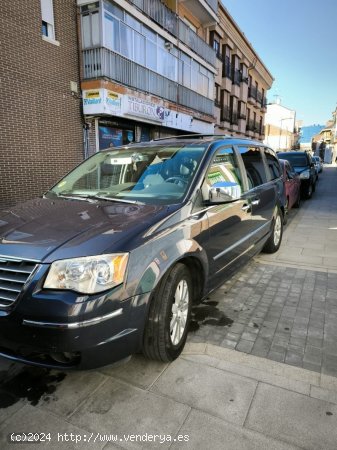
144,174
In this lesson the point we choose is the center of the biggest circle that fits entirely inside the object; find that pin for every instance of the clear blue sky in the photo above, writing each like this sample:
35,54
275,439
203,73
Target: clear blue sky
297,42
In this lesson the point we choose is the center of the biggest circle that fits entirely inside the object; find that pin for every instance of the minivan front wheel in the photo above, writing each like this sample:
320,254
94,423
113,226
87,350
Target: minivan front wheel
274,241
167,325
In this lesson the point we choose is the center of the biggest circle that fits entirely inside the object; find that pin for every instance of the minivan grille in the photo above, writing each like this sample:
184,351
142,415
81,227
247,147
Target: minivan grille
13,275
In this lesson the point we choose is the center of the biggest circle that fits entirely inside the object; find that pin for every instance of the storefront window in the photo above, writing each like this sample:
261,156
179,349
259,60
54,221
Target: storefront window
114,137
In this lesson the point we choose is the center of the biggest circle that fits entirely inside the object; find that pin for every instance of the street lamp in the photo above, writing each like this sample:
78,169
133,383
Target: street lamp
279,141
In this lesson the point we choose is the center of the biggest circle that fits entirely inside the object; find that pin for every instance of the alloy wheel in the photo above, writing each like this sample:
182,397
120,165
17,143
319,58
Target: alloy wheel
277,230
179,312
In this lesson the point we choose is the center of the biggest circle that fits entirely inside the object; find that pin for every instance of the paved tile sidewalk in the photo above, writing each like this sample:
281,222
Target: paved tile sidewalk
280,310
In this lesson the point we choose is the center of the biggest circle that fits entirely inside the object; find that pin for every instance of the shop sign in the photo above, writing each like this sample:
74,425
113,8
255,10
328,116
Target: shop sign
93,101
113,102
142,108
92,97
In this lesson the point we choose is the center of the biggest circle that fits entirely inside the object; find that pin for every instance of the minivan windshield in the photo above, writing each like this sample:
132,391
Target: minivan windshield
155,174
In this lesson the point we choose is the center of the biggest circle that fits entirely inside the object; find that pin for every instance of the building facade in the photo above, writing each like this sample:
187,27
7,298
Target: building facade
41,124
280,127
147,70
241,83
86,75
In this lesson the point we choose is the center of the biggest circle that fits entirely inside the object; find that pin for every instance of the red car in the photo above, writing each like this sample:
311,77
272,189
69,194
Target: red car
292,183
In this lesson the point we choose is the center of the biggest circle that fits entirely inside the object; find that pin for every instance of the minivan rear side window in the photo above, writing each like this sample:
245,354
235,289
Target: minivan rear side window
273,164
254,165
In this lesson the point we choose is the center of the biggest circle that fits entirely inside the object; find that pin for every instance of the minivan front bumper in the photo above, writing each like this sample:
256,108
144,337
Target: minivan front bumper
83,342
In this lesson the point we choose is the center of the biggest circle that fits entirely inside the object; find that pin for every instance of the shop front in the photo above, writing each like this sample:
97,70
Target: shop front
114,119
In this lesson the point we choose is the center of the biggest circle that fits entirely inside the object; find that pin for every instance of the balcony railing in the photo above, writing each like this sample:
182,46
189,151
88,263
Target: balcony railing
225,114
251,126
234,118
159,13
101,62
226,68
236,76
172,23
252,92
199,46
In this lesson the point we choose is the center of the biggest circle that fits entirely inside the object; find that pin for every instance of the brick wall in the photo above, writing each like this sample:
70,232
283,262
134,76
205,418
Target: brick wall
40,121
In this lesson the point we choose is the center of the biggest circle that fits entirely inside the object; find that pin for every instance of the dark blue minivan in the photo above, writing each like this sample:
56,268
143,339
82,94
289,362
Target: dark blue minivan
110,260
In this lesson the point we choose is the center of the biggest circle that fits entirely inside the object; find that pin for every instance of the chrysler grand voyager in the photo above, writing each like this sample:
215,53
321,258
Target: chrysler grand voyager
110,260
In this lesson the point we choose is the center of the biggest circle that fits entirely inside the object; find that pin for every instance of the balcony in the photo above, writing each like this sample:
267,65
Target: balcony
252,95
162,15
251,126
234,118
236,77
104,63
204,10
225,114
226,68
199,46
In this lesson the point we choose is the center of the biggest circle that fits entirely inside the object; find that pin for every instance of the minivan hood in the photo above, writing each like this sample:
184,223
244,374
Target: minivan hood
46,229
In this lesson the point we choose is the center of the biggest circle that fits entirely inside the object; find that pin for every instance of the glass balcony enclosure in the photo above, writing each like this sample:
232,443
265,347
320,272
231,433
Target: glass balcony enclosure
114,43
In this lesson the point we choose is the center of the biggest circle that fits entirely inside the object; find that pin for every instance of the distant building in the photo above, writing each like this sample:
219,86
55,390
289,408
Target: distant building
241,83
280,129
308,135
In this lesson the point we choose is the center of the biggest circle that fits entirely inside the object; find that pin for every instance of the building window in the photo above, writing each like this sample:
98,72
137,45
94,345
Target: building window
226,65
217,95
236,78
214,41
234,110
242,110
225,106
244,73
47,15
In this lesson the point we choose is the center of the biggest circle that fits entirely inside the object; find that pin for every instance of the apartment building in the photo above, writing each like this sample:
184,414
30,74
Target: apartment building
85,75
41,126
147,69
241,83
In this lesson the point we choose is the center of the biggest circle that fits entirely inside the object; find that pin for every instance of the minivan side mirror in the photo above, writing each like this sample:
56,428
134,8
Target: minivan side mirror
224,191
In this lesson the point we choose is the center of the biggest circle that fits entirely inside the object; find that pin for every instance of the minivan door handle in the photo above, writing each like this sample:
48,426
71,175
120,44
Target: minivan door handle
256,202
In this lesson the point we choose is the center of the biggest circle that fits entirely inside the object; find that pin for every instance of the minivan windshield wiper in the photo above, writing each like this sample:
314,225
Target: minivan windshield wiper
117,199
87,198
93,198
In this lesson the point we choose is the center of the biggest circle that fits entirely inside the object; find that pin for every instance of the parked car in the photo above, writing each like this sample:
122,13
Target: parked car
109,261
292,183
318,163
303,164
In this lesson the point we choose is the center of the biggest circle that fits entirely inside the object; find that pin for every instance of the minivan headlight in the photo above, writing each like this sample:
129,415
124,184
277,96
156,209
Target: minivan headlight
305,175
87,275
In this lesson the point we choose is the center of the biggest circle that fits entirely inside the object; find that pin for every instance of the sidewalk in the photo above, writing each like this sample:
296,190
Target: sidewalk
234,395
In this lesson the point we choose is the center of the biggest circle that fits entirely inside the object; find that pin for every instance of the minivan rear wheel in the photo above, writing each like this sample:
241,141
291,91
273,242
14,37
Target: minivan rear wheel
167,325
274,241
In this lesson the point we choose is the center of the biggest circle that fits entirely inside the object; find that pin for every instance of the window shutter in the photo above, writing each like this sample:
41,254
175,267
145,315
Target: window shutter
47,11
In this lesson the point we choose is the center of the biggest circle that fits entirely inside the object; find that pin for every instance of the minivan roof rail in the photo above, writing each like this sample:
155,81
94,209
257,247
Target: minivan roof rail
197,136
201,136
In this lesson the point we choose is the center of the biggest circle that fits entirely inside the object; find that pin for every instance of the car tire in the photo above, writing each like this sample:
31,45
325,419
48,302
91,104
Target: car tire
297,204
309,192
169,314
314,186
274,241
